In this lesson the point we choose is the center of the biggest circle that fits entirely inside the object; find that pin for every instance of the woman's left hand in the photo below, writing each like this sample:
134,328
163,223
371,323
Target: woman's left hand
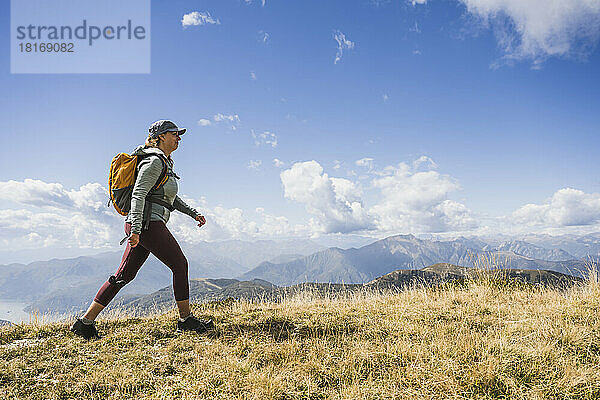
200,219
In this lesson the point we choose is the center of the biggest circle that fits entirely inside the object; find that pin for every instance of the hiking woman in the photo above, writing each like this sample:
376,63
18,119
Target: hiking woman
147,232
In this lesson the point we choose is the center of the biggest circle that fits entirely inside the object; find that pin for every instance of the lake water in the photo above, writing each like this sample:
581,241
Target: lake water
13,311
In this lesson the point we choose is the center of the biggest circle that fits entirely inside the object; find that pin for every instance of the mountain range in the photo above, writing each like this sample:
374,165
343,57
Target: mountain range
366,263
60,285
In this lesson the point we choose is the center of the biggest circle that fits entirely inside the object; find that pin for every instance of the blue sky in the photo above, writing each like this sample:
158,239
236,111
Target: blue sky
469,116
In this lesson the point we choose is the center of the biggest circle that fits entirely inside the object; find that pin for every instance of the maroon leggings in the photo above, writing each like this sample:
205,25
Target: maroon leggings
158,241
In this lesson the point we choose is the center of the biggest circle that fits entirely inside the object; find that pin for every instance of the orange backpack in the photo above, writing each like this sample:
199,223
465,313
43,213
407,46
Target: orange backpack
121,179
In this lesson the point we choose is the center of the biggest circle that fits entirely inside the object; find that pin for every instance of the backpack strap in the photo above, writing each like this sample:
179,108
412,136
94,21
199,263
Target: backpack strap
163,203
162,179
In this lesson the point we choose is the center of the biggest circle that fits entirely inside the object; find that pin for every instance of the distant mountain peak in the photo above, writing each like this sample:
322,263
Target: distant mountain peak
408,236
533,251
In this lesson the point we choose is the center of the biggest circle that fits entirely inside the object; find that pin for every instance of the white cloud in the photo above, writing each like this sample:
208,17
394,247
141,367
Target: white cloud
407,197
262,2
279,226
417,201
334,202
229,222
254,164
538,29
566,207
224,117
342,44
53,216
56,216
365,162
455,216
232,120
346,190
415,2
278,163
198,18
415,28
35,229
337,164
36,193
264,37
268,138
232,223
385,97
424,162
252,75
89,198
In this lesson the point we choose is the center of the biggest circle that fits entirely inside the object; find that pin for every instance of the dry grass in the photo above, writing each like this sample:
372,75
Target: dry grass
476,341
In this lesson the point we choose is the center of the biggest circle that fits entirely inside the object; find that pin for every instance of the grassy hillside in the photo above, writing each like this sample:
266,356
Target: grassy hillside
484,339
205,290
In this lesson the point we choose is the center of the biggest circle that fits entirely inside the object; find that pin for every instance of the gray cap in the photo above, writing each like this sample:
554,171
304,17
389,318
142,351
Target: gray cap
164,126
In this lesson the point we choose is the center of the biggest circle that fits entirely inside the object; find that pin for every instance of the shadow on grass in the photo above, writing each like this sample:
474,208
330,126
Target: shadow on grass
280,329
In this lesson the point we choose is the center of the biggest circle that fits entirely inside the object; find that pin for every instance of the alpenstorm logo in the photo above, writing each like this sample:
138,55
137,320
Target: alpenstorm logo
80,36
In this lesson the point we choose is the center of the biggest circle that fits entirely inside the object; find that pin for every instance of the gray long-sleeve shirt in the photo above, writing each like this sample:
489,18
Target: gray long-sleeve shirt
149,170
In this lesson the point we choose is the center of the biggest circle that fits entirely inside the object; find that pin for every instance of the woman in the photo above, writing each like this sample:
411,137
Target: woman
145,226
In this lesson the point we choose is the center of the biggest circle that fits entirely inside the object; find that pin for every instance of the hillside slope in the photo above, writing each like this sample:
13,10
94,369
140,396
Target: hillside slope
469,342
443,272
203,290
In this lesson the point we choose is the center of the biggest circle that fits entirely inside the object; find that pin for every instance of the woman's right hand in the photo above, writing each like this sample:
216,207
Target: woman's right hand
201,219
134,239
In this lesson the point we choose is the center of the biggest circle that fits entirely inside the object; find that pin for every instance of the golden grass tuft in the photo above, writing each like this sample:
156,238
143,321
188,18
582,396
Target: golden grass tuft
475,341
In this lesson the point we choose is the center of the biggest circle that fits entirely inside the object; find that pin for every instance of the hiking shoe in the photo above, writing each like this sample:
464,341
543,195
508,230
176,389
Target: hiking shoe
192,323
85,331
